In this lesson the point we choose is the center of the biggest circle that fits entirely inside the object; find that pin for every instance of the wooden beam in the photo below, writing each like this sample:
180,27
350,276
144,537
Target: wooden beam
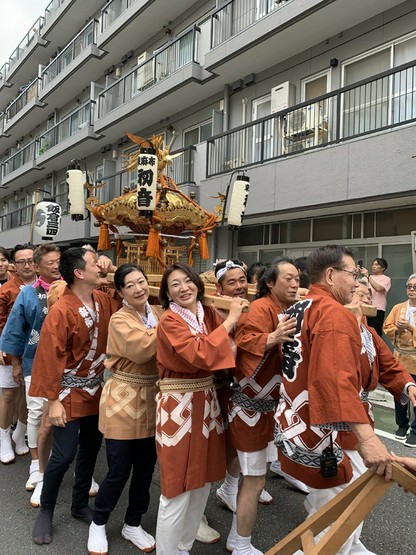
344,512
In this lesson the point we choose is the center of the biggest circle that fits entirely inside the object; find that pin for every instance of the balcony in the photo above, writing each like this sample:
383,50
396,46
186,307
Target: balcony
176,65
383,102
30,40
120,20
181,169
52,9
66,139
17,218
19,113
72,137
74,61
250,36
20,163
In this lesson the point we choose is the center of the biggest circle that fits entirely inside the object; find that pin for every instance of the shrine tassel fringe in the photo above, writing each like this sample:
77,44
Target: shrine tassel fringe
203,246
104,238
153,244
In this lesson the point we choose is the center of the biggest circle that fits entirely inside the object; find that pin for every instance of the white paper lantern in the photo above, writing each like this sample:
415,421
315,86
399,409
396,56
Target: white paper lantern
47,220
146,179
76,193
238,201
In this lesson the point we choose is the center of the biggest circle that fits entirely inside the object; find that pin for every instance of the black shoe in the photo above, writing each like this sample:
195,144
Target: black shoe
401,434
83,513
42,530
411,440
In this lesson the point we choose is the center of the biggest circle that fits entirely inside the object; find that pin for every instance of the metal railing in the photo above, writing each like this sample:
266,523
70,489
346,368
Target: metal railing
23,99
114,186
112,10
33,32
19,158
68,126
81,42
4,70
381,102
17,218
52,8
236,15
167,61
181,169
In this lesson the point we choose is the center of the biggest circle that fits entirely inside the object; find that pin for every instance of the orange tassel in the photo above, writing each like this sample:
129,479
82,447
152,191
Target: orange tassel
104,238
190,252
203,246
153,244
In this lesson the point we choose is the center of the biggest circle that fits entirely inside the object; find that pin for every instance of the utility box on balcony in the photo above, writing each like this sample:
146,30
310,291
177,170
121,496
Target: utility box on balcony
282,97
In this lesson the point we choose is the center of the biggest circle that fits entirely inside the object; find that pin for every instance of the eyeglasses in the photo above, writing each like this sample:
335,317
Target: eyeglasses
353,274
24,262
411,287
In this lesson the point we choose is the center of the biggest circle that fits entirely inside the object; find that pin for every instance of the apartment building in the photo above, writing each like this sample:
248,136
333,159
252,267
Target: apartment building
314,99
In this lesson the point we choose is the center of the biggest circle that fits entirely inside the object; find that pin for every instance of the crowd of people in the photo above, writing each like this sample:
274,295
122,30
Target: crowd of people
211,395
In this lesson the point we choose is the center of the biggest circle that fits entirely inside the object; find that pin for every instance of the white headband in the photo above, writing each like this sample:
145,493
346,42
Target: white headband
229,265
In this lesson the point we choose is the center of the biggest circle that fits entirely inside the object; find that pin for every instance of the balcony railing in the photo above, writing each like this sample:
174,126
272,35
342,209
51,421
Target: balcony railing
4,70
26,41
17,218
115,185
20,158
386,100
236,15
112,10
52,8
68,126
166,62
81,42
23,99
181,169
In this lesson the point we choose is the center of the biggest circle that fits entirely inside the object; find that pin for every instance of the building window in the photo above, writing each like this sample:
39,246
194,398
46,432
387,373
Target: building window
198,134
251,235
332,228
298,231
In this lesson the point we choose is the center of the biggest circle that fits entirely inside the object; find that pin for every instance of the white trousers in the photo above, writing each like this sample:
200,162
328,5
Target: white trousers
34,415
178,520
318,497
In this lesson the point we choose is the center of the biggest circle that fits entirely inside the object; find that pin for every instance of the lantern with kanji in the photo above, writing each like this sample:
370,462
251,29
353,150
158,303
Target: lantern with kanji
146,179
47,220
238,201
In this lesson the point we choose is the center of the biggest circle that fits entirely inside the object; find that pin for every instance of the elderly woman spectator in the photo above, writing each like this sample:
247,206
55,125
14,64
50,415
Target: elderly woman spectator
400,329
193,342
128,412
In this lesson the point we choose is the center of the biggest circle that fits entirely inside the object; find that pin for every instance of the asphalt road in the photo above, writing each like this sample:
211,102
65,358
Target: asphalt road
388,530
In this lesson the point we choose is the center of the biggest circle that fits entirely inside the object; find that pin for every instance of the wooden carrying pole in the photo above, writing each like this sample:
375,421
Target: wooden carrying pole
344,513
208,300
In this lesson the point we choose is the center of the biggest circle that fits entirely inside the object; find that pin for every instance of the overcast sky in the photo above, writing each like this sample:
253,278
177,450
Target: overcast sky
18,17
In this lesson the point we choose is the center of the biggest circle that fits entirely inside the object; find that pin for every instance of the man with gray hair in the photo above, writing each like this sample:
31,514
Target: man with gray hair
326,367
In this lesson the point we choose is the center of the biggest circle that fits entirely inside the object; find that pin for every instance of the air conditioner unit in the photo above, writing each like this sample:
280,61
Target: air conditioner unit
303,121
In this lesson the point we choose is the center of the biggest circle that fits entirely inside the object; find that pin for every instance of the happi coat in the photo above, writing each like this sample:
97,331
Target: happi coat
127,409
72,344
21,334
189,427
320,391
8,294
378,366
404,341
257,375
